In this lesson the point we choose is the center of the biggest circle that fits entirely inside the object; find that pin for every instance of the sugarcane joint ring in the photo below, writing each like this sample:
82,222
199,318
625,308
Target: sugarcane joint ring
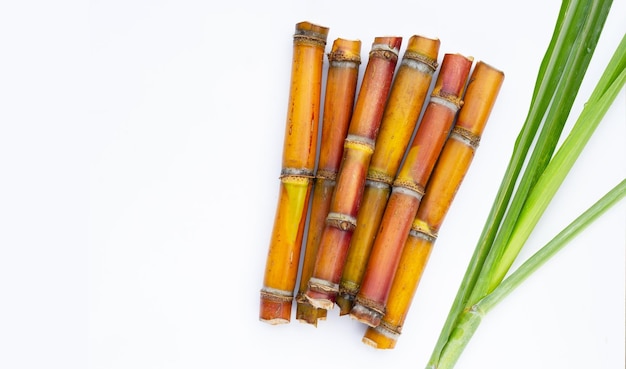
423,234
384,51
342,221
371,305
408,187
343,56
389,329
362,143
379,177
349,289
366,314
465,136
449,101
421,58
326,174
309,34
272,294
322,285
294,174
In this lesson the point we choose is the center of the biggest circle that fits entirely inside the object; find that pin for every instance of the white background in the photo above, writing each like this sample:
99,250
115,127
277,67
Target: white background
140,146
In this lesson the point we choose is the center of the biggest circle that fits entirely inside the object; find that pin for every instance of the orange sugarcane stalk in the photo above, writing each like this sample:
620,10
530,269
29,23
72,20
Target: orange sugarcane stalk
408,188
298,166
447,177
343,73
404,105
358,149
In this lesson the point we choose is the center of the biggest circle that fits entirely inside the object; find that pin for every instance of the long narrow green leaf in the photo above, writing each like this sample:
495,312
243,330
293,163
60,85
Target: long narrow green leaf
580,53
555,173
555,245
549,75
607,88
471,318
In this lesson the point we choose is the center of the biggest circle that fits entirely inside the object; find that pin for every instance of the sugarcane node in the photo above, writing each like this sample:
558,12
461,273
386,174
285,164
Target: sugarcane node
419,62
321,293
362,143
348,289
342,221
389,328
341,58
367,311
310,34
273,294
408,187
326,174
384,51
419,233
380,177
321,285
377,184
451,102
346,64
465,136
346,51
423,230
293,174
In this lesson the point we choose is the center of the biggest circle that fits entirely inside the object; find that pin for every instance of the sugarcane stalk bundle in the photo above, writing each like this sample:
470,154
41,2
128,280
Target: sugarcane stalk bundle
358,191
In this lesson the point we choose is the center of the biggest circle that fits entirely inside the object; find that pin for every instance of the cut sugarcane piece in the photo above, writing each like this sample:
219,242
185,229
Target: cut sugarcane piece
341,82
298,166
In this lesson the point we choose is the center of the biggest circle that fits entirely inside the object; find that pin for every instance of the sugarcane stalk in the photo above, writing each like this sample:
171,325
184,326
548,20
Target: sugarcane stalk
359,144
449,172
409,187
341,82
298,165
407,97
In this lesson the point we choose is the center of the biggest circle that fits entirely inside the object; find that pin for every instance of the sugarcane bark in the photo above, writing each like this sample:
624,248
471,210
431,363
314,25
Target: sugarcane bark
408,189
404,105
298,165
445,181
358,149
344,60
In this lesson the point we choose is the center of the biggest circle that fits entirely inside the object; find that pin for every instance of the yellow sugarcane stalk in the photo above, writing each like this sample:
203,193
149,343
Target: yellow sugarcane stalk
406,99
447,177
298,166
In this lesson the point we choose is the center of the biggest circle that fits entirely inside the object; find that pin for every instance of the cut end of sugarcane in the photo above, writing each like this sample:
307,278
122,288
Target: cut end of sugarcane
309,314
345,301
381,337
366,315
275,308
321,293
320,300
